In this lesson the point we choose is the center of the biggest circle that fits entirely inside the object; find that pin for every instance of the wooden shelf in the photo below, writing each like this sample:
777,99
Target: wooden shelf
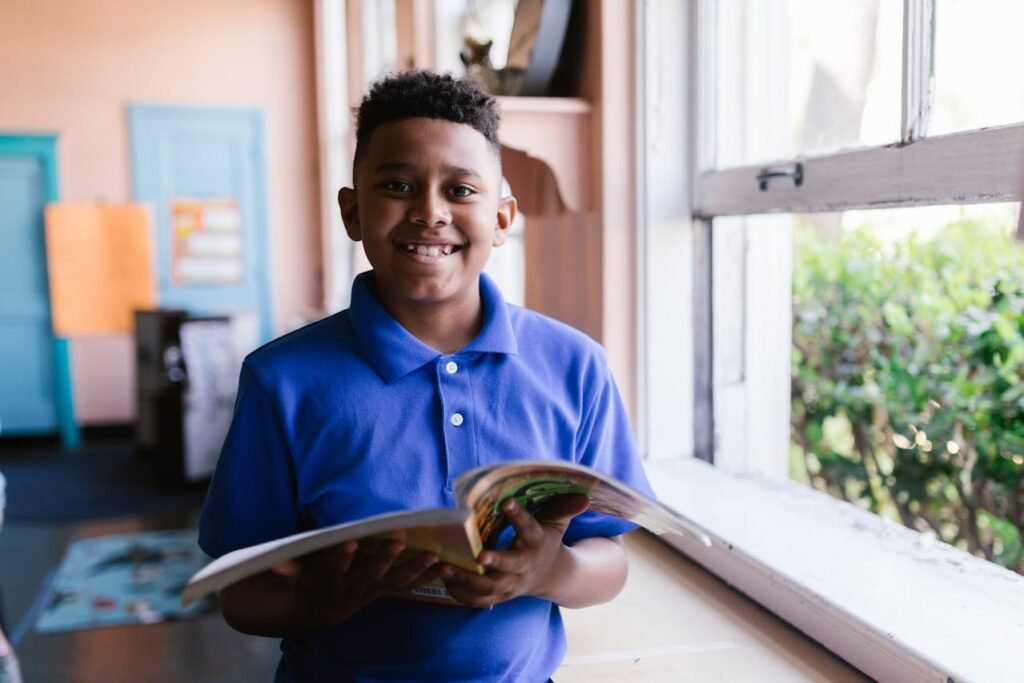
557,131
550,167
544,105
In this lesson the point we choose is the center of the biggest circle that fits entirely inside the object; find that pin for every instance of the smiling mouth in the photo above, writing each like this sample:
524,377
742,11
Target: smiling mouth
432,250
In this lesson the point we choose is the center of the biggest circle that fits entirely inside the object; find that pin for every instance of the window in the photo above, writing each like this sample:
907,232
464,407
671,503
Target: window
975,57
838,118
815,108
804,77
907,360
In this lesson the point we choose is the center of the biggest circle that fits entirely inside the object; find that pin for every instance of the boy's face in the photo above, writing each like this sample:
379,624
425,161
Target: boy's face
428,210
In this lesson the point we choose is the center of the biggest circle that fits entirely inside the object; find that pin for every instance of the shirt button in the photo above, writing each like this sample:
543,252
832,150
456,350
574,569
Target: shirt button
451,367
457,419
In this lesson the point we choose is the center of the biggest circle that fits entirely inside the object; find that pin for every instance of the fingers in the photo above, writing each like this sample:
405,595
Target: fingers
375,565
527,529
416,571
533,534
526,566
506,562
335,559
475,590
289,569
561,509
346,553
354,574
351,564
341,580
387,570
556,514
429,575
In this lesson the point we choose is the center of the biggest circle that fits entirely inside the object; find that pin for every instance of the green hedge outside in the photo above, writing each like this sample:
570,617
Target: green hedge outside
907,392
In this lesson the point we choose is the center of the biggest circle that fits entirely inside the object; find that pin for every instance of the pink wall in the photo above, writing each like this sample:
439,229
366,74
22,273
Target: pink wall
73,67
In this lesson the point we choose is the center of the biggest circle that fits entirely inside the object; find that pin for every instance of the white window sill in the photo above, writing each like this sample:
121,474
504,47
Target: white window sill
898,605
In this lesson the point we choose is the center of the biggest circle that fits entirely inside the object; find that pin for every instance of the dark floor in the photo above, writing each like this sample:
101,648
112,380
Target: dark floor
199,650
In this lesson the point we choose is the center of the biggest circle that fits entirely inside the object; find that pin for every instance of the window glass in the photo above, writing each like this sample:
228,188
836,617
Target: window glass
907,378
977,58
805,77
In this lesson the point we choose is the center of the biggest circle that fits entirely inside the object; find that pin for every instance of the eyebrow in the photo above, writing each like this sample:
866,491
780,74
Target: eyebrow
410,168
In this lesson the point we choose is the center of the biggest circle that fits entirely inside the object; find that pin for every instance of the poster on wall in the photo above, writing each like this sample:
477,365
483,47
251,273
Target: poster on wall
99,265
206,239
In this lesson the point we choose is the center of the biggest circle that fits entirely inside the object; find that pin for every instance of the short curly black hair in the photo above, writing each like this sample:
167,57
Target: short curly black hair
414,94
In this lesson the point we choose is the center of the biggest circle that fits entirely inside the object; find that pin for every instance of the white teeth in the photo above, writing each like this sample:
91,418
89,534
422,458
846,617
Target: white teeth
430,249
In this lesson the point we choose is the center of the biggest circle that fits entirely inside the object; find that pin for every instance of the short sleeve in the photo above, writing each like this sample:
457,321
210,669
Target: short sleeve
605,443
252,496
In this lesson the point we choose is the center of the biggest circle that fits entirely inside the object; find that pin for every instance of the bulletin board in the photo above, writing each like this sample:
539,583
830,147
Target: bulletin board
100,266
206,239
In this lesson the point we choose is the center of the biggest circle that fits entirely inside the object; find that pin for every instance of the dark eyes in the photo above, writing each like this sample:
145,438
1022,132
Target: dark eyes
397,186
402,187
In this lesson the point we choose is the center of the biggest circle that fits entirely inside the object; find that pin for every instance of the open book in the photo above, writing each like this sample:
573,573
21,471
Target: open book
456,535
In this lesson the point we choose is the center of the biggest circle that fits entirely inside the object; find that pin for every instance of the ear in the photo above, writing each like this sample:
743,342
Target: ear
507,211
350,213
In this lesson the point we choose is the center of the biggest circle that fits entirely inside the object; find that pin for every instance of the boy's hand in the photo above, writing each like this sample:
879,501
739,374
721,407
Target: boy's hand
533,563
332,585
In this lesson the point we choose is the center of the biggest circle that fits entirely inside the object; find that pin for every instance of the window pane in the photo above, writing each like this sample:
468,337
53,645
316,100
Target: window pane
907,367
977,58
805,77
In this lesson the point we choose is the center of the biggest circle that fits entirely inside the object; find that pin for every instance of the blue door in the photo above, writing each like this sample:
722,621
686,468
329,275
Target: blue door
35,389
209,160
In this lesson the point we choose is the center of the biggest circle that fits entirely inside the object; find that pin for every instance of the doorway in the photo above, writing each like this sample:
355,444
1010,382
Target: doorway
35,382
202,169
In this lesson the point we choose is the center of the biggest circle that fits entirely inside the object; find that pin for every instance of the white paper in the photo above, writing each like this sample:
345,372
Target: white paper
212,365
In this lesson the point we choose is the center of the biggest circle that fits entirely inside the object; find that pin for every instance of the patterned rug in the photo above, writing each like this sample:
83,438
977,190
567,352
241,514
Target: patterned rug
123,579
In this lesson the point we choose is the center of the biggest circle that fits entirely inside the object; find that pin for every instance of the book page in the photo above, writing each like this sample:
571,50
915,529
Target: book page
447,532
535,482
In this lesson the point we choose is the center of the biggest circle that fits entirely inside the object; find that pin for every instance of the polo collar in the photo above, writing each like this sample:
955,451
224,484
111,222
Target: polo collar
394,352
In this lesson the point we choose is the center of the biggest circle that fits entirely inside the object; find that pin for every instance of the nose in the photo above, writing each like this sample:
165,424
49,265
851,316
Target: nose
429,209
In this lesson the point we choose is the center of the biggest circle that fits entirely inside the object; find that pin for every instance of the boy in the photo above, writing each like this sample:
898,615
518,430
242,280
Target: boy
381,407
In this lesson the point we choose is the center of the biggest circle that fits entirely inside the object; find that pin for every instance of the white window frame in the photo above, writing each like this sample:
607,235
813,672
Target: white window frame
343,69
792,549
334,139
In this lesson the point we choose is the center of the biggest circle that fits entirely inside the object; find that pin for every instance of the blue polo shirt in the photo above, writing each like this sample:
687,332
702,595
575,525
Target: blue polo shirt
353,416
